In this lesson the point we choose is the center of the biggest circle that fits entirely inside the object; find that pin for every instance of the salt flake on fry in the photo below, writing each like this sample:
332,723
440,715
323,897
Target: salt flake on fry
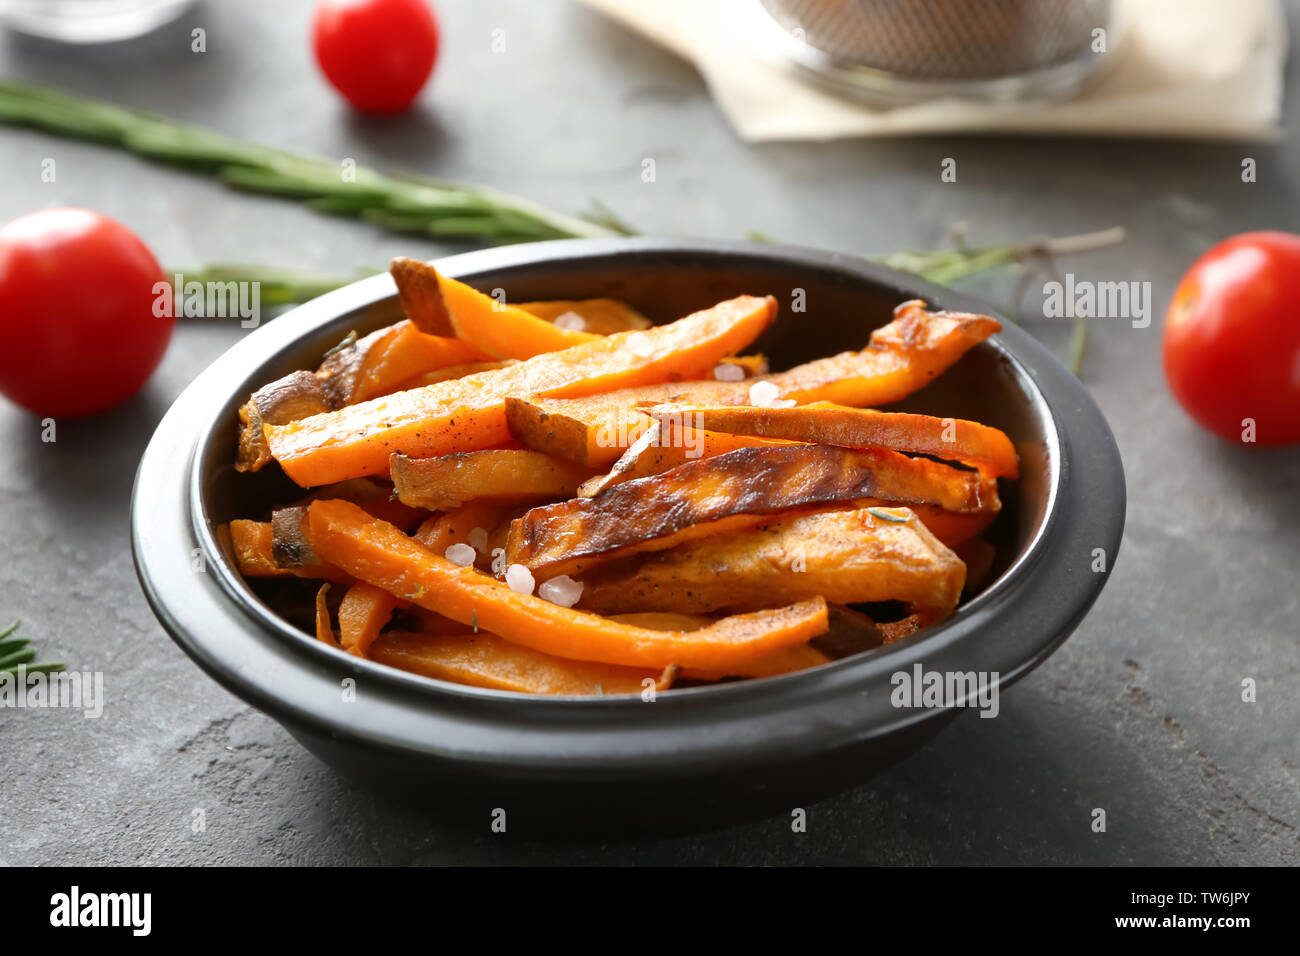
520,579
460,554
562,590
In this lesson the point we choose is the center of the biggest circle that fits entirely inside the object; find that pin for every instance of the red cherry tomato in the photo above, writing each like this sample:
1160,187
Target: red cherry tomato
1232,339
77,312
377,53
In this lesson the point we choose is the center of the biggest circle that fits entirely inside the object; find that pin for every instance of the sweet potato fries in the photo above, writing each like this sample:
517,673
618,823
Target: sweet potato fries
563,498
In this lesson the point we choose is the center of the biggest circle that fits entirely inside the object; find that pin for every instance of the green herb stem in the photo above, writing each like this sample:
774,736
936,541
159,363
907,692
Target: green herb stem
16,654
403,203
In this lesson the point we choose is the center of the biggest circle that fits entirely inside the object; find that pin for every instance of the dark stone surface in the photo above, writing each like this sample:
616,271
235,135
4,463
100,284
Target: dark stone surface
1140,713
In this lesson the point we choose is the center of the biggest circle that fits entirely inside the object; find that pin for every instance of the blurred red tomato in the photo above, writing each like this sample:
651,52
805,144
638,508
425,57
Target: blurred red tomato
1232,338
377,53
77,312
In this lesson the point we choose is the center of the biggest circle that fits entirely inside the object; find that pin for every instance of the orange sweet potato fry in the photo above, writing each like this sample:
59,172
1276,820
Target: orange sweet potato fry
485,660
468,414
400,354
439,532
376,552
751,365
324,630
903,356
364,611
784,661
509,476
954,529
595,316
828,424
847,557
494,328
446,374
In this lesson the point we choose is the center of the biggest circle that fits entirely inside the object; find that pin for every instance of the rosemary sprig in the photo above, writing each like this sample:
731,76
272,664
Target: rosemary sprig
947,266
276,287
400,203
16,653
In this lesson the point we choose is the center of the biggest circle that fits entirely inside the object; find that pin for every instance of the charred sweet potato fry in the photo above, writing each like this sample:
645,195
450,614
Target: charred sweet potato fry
485,660
848,557
903,355
906,354
663,446
739,488
417,290
469,413
377,364
850,632
508,476
892,631
825,423
289,547
374,551
297,395
251,542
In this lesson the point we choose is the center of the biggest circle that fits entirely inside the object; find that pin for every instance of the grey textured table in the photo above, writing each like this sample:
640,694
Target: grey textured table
1139,713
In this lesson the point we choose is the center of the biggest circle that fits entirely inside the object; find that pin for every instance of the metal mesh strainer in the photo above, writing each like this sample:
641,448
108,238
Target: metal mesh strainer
912,49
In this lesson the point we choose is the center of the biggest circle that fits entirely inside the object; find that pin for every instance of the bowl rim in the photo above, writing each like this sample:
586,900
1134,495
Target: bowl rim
1030,364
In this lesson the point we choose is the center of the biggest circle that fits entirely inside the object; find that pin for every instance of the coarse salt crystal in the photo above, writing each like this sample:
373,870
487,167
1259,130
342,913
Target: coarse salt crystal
461,554
640,344
478,539
520,579
764,394
570,322
562,590
729,372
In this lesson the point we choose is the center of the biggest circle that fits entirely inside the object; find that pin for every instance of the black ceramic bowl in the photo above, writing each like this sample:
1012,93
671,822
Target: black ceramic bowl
693,757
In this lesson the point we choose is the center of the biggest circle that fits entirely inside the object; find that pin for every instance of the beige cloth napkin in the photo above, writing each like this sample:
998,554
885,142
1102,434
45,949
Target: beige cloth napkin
1182,68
